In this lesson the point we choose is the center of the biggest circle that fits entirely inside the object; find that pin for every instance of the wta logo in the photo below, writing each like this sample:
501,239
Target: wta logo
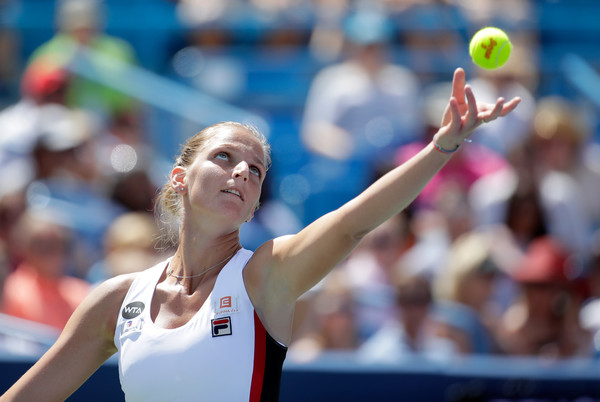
221,326
132,310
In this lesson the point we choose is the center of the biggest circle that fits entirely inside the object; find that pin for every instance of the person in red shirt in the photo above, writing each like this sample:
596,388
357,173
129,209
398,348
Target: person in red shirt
38,289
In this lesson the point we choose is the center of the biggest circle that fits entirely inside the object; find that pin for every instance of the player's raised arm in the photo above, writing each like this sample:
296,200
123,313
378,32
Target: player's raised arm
85,343
300,261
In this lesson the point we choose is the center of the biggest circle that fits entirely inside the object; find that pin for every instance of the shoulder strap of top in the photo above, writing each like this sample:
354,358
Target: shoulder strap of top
139,296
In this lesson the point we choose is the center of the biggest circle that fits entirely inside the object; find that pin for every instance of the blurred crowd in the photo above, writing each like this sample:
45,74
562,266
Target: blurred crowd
499,255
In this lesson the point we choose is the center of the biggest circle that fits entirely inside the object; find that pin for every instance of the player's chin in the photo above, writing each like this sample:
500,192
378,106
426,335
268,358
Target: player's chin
235,215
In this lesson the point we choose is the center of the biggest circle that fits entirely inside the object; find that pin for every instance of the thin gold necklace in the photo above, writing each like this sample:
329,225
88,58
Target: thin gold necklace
170,272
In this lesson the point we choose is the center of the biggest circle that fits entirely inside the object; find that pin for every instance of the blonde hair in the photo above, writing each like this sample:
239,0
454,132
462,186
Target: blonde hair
168,205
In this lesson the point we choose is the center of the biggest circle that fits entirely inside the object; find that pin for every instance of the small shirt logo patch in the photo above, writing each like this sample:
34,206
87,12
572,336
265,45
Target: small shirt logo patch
221,326
132,310
132,326
225,302
225,305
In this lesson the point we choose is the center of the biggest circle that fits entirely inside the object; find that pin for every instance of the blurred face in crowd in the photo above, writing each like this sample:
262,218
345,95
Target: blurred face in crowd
413,312
413,299
84,35
477,288
545,299
46,250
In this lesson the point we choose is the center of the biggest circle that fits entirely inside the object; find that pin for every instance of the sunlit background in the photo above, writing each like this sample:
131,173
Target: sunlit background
487,288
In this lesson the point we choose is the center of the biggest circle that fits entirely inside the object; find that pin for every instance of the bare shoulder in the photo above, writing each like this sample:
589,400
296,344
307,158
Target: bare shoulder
118,285
267,255
109,295
256,266
99,311
261,268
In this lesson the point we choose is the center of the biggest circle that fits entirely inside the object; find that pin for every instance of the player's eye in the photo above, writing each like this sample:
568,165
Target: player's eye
222,155
255,171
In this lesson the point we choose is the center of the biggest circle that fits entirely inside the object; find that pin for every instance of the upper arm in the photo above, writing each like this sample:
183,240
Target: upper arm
283,269
85,343
291,265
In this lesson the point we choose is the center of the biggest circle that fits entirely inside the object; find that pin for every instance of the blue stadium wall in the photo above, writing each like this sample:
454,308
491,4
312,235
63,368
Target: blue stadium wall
341,378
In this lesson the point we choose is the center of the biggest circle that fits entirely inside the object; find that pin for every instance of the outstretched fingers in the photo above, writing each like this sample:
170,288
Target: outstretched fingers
472,112
456,120
510,106
489,115
458,85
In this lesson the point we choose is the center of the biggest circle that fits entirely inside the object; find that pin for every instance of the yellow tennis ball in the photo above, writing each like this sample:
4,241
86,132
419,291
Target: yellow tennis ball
490,48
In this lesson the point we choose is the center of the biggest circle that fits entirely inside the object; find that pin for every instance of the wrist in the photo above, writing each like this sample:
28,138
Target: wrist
444,148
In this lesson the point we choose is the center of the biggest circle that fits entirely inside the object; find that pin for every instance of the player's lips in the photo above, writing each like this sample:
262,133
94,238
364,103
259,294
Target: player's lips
234,191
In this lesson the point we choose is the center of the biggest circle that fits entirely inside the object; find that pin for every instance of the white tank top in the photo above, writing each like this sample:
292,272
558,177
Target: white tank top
222,354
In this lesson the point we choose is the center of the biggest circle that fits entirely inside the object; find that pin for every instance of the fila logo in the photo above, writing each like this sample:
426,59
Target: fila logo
221,326
132,310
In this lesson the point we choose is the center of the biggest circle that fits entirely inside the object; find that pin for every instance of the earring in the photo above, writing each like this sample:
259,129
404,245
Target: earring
181,188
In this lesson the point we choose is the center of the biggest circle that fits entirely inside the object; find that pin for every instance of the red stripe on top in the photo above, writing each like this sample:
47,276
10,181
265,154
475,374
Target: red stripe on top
260,349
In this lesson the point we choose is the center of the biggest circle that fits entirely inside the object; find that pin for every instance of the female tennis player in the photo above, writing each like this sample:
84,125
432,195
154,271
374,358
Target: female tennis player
211,322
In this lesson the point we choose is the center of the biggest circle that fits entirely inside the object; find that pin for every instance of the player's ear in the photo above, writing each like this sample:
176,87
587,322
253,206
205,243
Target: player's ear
178,179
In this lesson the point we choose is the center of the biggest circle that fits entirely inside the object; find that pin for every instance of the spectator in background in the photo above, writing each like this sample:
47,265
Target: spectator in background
569,172
43,88
370,272
351,121
590,310
412,333
524,220
69,184
9,41
12,203
80,26
430,35
463,291
4,267
39,289
134,189
63,150
20,337
510,13
520,216
328,315
359,296
46,150
129,243
544,320
558,168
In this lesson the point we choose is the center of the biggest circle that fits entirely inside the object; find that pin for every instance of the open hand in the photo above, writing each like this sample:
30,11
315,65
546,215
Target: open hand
463,114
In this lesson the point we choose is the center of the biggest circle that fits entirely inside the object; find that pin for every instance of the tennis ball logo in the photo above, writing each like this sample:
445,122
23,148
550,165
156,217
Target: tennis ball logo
490,48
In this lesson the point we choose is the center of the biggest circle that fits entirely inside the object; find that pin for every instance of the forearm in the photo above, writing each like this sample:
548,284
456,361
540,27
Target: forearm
54,377
83,346
302,260
393,192
308,256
